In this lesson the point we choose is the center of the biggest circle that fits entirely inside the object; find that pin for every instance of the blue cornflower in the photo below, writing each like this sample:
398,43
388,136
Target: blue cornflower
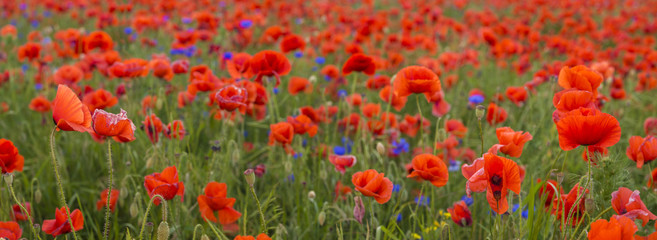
38,86
304,143
476,99
454,165
246,23
297,155
290,177
228,55
339,150
275,90
327,78
342,93
320,60
396,188
422,200
47,14
400,146
34,23
298,54
399,217
186,20
128,30
469,201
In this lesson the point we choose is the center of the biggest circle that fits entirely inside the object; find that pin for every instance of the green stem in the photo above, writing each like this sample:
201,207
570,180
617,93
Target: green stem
481,136
263,224
148,209
109,190
24,210
55,167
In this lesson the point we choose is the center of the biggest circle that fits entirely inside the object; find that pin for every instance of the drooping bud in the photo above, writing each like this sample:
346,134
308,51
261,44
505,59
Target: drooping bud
9,178
37,196
380,148
480,111
311,195
321,218
442,135
134,210
250,177
205,237
359,209
163,231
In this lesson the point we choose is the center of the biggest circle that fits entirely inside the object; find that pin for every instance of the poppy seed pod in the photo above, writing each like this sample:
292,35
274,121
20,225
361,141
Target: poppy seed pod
480,111
163,231
250,177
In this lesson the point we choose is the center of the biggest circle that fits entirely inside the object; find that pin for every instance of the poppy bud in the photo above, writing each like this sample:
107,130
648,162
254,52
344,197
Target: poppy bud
205,237
288,166
442,135
312,79
134,209
323,174
250,177
163,231
380,148
311,195
359,209
480,111
236,156
9,178
149,229
37,196
589,206
321,218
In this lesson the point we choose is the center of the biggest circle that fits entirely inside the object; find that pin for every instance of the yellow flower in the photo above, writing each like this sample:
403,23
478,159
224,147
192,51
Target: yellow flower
416,236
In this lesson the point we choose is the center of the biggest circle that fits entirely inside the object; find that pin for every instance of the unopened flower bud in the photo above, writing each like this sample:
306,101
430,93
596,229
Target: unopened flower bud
311,195
9,178
37,196
205,237
480,111
380,148
312,79
163,231
236,156
359,209
323,174
321,218
134,209
250,177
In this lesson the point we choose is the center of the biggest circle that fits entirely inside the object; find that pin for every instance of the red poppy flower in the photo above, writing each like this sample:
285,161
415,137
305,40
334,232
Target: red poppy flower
580,77
153,127
269,63
341,162
341,191
165,184
456,128
99,99
571,99
161,69
497,175
68,75
283,134
588,127
30,50
495,114
652,178
416,79
594,153
378,82
102,202
303,124
175,130
412,124
460,214
18,214
238,66
549,192
618,227
359,63
10,231
371,110
292,42
650,126
68,112
231,97
10,159
628,203
214,200
299,84
373,184
510,142
517,95
40,104
60,224
117,126
180,66
261,236
567,206
430,168
642,150
98,40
